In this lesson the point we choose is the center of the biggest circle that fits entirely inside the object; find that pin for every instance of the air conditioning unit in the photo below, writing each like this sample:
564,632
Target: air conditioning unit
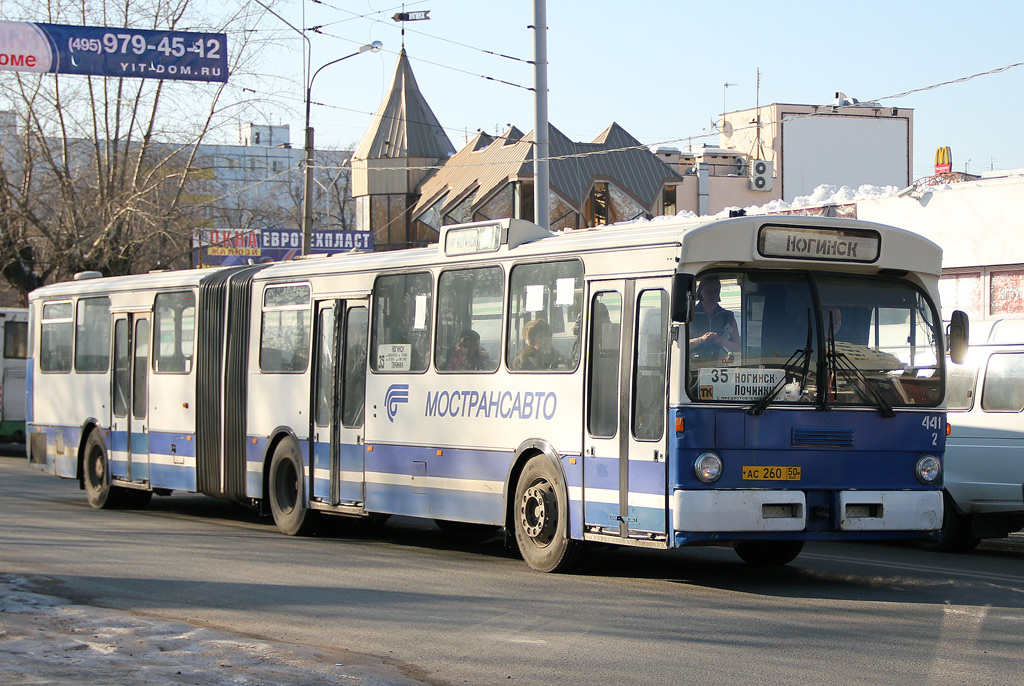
761,175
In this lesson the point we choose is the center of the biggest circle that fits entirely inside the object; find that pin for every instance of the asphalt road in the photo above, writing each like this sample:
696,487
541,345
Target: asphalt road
442,610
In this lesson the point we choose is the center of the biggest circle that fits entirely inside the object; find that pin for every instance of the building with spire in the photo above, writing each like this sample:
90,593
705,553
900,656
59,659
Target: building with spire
403,145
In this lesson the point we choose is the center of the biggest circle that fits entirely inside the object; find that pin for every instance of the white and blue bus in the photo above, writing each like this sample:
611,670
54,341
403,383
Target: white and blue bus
755,382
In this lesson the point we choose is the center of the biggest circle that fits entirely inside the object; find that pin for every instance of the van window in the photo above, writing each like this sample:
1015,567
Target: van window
1003,390
960,380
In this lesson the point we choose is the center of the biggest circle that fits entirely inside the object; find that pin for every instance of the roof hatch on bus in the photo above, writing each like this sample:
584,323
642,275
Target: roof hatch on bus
488,236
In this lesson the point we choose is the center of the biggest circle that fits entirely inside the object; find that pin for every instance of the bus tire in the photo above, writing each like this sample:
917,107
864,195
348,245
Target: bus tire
286,491
955,535
768,553
540,518
95,478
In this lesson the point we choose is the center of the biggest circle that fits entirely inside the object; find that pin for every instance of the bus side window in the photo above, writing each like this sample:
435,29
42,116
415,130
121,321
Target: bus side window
605,342
175,315
15,340
284,340
55,337
469,319
550,293
92,335
649,397
402,320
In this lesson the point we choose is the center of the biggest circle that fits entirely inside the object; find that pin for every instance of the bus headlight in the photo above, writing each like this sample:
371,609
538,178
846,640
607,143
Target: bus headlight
708,467
927,469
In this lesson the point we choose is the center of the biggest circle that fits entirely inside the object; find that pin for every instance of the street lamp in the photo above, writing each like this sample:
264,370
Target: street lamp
307,198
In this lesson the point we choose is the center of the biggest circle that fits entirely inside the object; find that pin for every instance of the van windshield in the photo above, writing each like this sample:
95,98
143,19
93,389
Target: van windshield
803,337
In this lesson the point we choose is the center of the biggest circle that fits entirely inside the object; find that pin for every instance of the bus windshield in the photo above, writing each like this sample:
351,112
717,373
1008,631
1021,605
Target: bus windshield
801,337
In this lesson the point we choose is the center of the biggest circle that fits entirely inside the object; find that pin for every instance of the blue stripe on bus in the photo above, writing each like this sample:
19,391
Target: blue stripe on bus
435,503
172,443
173,477
483,465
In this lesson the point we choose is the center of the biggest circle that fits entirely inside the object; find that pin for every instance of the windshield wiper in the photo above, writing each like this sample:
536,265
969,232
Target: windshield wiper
839,363
799,355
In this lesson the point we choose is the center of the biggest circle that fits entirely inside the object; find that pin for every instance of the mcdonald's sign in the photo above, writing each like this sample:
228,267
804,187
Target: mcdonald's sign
943,160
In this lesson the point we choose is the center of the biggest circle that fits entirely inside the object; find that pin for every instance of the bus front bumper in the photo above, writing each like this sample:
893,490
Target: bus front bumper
766,511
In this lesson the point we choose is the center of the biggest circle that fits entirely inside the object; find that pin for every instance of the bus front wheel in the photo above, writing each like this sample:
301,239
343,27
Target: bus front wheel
95,477
541,519
768,553
287,495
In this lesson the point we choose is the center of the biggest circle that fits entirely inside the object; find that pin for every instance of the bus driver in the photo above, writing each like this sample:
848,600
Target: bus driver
713,327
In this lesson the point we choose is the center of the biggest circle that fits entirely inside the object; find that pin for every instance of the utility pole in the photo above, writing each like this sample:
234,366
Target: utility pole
541,182
307,194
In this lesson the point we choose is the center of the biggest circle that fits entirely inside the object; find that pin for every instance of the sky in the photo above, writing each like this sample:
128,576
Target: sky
659,68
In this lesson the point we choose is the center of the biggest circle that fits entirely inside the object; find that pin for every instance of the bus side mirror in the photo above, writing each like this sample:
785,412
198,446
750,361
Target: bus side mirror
684,288
957,334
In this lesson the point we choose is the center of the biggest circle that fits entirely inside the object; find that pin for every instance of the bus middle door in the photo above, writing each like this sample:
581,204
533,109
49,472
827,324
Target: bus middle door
338,401
129,388
625,469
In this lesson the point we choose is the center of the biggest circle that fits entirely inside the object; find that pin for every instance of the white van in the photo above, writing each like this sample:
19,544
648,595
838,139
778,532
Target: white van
984,466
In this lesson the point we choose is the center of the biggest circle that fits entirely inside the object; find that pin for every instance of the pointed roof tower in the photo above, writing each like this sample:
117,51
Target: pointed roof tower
404,126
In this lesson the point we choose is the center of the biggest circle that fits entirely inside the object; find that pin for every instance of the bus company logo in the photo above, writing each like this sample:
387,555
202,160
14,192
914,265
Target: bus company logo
397,394
706,393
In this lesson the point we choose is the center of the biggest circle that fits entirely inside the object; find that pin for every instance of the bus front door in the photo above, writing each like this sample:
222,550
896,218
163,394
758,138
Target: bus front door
129,388
338,400
625,470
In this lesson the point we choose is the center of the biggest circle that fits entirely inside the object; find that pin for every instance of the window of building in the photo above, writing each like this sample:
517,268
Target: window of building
668,201
599,204
92,335
545,304
469,319
55,337
175,320
284,339
402,318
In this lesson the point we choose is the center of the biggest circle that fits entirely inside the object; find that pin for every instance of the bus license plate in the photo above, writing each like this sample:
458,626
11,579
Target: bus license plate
761,473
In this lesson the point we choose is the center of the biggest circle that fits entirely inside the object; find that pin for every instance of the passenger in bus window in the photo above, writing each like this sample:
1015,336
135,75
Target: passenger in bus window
468,355
713,327
539,353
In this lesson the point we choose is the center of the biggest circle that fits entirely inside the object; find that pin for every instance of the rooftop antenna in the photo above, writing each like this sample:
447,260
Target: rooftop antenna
725,87
757,101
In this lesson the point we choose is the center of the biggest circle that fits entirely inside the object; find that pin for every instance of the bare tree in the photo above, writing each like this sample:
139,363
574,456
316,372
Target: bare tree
95,172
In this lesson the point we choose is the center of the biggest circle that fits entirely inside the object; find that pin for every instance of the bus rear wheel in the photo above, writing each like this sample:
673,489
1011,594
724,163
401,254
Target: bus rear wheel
95,477
768,553
541,519
287,495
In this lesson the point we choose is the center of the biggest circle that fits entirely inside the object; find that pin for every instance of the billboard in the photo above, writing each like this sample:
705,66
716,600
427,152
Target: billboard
228,247
122,52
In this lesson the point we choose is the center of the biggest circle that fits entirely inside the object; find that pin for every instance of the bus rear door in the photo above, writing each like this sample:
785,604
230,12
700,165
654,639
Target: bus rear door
625,470
338,402
129,423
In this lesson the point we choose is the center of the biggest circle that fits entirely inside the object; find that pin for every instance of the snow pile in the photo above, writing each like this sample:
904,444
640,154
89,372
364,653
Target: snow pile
45,640
825,194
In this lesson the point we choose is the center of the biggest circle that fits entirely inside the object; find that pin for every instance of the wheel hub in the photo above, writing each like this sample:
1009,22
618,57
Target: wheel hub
537,512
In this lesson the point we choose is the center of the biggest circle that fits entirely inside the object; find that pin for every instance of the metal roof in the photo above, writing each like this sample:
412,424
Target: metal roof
404,125
489,163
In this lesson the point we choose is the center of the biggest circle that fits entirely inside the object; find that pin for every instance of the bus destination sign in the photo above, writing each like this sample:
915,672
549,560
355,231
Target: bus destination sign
831,245
121,52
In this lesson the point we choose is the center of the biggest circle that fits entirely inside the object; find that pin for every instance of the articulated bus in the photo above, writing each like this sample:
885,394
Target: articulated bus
12,373
754,382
